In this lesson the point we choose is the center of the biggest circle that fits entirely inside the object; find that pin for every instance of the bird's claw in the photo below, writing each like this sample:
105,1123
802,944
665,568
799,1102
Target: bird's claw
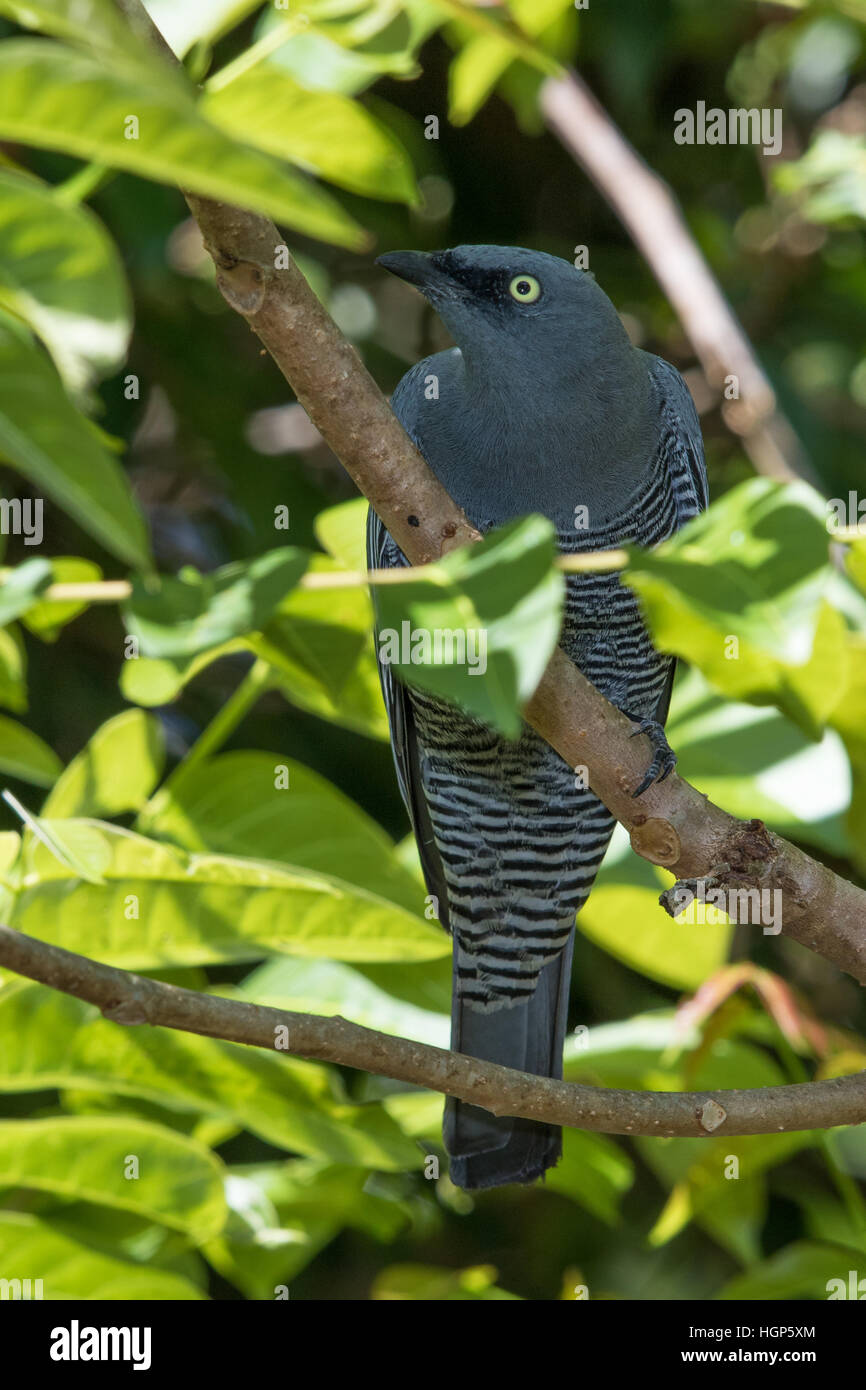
664,758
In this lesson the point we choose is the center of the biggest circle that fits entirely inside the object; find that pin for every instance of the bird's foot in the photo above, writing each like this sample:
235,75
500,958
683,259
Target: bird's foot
664,758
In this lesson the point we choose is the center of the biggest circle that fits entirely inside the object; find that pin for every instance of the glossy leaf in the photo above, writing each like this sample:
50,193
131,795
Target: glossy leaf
157,906
44,437
58,98
177,1182
479,626
23,754
290,1103
184,617
322,132
115,772
71,1270
61,273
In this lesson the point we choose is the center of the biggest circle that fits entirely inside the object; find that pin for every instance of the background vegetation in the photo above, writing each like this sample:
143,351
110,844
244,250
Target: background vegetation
214,802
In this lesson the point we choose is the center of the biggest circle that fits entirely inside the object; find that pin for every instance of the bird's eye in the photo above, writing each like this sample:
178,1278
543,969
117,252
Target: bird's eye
525,289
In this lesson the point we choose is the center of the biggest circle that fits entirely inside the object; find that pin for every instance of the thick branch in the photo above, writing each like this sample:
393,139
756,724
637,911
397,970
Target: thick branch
132,999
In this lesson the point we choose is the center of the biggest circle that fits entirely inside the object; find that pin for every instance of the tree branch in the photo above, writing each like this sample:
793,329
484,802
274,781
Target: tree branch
652,217
132,999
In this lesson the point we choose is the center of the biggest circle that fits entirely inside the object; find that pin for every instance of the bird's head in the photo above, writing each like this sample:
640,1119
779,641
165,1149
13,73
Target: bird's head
504,305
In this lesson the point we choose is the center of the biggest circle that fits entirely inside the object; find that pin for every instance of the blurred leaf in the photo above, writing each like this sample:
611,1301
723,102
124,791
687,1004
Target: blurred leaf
474,72
802,1269
44,437
323,132
756,763
24,755
61,273
178,1182
116,771
59,98
13,668
185,616
159,906
740,591
21,585
831,175
293,1104
594,1172
342,531
623,916
321,648
95,23
707,1177
47,619
183,23
72,1271
426,1284
495,611
330,988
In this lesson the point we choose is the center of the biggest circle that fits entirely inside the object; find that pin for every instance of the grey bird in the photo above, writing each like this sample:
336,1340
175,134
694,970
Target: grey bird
543,406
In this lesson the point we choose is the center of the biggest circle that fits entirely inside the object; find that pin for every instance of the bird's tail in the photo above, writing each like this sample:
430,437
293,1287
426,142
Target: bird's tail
488,1150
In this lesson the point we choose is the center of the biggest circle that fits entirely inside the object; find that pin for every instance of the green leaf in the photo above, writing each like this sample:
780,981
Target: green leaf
831,176
23,754
322,132
474,72
159,906
58,98
13,668
231,805
427,1284
803,1269
594,1172
293,1104
149,682
95,23
623,916
20,587
321,648
185,616
177,1182
61,274
72,1270
479,626
44,437
327,987
741,593
755,763
46,620
342,531
183,23
116,771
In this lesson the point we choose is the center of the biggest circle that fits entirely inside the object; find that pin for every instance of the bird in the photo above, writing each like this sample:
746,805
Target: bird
543,405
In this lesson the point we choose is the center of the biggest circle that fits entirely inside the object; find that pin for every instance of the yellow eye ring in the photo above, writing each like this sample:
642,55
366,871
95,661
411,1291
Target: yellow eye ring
525,289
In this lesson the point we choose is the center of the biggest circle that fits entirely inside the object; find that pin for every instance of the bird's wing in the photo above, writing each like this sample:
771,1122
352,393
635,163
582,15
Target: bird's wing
682,443
681,440
383,553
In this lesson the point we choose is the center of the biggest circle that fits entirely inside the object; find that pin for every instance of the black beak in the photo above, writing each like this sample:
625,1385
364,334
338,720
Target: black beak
415,267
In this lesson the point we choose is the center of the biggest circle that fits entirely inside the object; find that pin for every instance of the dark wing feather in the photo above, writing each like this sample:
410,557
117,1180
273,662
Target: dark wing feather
383,553
683,443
